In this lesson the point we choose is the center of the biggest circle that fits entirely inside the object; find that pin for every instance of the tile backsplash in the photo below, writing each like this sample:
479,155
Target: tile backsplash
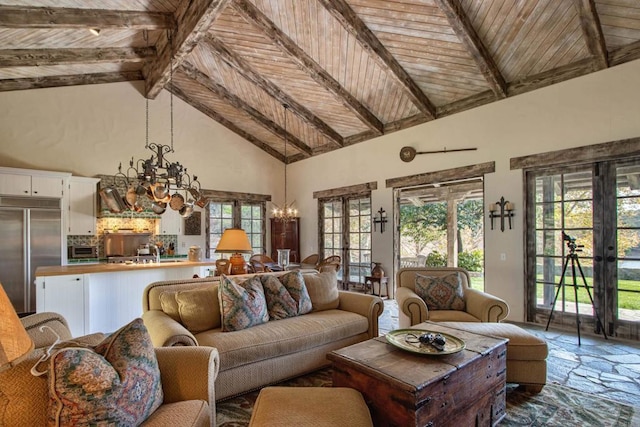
119,224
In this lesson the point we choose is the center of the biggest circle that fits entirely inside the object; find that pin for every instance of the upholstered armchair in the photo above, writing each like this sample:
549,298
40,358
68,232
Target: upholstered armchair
443,294
187,375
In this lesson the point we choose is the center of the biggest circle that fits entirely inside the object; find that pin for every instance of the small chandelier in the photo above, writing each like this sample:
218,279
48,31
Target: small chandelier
286,212
157,176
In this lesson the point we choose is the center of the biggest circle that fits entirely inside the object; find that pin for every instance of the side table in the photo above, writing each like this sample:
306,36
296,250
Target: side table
381,281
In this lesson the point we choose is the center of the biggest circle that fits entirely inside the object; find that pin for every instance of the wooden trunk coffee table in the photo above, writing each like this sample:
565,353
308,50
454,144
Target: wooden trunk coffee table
403,388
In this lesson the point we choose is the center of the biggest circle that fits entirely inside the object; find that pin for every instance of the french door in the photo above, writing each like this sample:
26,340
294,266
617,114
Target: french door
595,207
346,231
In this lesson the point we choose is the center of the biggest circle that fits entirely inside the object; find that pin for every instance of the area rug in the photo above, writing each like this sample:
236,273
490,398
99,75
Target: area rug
556,405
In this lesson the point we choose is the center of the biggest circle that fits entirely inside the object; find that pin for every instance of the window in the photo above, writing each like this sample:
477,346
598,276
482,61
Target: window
227,210
252,222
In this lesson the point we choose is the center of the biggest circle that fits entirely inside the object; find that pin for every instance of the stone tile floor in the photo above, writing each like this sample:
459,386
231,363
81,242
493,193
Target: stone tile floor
609,368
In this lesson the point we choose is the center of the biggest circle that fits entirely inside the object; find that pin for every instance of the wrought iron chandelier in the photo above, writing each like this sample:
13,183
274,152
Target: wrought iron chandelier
286,212
159,177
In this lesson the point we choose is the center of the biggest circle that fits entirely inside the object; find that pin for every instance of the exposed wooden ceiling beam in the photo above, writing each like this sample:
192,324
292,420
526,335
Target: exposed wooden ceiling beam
462,26
208,111
592,31
39,57
242,67
305,62
553,76
624,54
194,19
352,23
193,73
70,80
50,17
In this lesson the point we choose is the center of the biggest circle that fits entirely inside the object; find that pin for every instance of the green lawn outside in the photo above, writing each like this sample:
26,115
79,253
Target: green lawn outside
627,300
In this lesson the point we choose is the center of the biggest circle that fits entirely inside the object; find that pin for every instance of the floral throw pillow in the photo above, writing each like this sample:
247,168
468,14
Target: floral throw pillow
116,382
243,304
441,292
280,303
294,282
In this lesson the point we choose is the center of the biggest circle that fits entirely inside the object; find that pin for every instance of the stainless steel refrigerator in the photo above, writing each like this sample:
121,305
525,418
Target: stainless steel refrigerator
30,237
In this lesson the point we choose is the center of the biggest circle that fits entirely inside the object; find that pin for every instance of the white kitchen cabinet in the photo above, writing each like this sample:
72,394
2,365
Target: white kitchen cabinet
64,295
171,223
82,206
32,183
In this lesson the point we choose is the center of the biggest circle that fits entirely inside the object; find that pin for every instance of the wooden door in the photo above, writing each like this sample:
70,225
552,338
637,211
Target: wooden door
285,235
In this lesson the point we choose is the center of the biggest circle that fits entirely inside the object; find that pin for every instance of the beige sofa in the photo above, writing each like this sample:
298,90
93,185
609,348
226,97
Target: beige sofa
271,352
187,376
479,306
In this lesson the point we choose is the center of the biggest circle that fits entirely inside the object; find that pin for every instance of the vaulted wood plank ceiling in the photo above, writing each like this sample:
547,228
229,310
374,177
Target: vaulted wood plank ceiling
349,70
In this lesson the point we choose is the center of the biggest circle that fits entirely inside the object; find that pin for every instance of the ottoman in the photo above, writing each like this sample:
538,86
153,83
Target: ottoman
526,353
310,406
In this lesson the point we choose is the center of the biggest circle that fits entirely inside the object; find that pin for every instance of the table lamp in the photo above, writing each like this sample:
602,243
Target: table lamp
235,241
14,340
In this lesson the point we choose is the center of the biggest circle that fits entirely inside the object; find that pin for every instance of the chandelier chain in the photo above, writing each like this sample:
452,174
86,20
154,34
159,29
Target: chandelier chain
145,34
286,107
171,84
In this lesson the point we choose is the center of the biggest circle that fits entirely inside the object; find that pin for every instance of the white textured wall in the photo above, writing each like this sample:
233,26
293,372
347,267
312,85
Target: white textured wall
90,129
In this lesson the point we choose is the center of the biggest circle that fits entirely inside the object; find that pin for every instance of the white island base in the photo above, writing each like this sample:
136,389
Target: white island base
104,297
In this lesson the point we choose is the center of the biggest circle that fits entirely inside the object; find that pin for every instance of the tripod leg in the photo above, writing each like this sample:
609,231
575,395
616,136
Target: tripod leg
553,306
575,293
595,310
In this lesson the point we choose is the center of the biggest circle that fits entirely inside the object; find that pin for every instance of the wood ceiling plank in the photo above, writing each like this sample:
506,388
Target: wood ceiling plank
556,75
352,22
193,21
68,80
242,67
205,109
192,72
463,28
624,54
39,57
592,30
49,17
252,14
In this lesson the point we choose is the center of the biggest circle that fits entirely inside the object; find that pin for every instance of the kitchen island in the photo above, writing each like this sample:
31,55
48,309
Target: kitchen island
103,297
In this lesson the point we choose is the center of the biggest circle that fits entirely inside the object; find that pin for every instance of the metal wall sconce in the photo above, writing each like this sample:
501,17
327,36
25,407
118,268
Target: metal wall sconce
501,209
381,219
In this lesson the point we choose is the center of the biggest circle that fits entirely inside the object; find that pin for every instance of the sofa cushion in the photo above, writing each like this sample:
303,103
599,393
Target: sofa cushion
323,290
280,303
283,337
191,413
169,305
199,309
442,292
117,381
295,284
243,304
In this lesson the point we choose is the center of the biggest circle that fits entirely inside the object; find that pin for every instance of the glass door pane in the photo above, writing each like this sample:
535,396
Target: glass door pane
627,287
564,204
332,218
359,251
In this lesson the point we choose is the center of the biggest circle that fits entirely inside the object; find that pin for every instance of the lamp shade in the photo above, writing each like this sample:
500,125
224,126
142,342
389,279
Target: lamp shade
234,240
14,340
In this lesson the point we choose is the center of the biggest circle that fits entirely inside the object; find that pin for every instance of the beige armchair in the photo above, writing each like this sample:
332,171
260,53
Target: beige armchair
187,376
479,306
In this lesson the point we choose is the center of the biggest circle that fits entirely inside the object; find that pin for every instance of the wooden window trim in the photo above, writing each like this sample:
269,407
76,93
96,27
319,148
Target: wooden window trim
585,154
453,174
352,190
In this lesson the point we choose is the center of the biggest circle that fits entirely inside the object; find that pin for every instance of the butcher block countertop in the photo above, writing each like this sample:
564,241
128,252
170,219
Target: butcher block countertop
109,268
